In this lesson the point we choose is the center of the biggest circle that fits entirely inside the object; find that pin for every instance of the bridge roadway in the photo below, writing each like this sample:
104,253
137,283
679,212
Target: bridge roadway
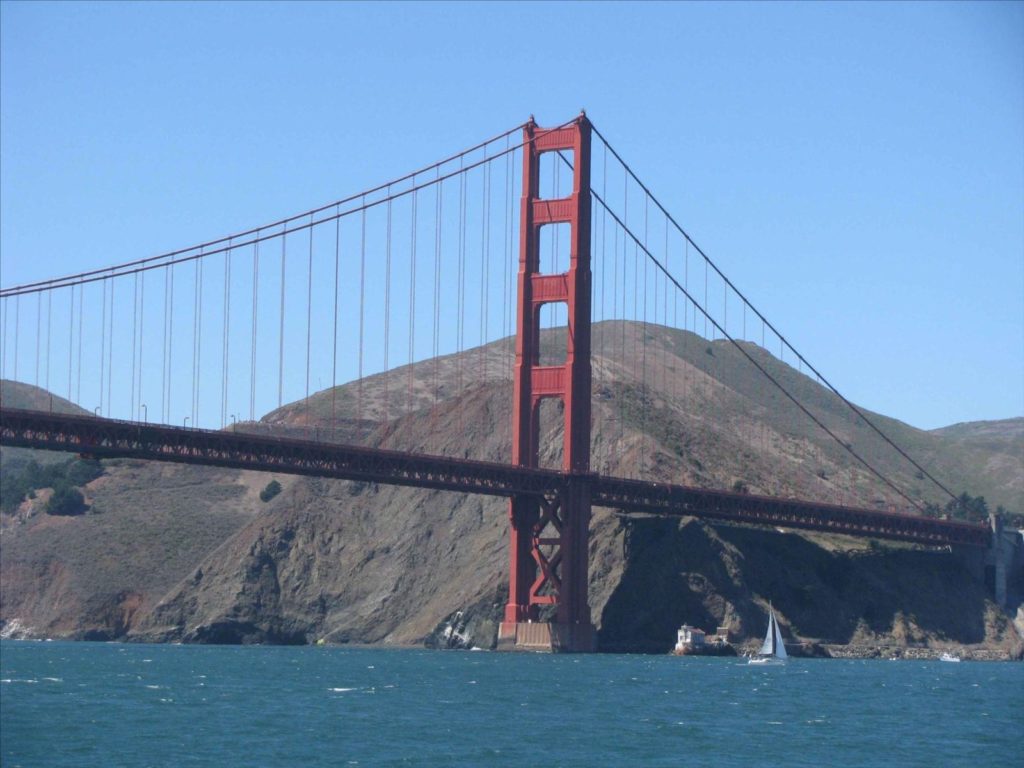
107,438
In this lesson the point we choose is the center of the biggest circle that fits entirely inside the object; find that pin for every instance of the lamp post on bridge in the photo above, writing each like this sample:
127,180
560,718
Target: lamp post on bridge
145,414
184,423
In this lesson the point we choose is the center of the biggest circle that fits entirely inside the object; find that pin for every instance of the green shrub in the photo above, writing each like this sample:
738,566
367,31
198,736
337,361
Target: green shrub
12,492
66,501
83,471
16,486
273,488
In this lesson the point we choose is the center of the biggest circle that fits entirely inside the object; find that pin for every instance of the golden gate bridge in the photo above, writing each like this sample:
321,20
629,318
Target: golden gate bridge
536,261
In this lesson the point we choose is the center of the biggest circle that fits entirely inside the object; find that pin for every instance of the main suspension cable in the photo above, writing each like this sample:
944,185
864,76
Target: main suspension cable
170,255
757,365
739,293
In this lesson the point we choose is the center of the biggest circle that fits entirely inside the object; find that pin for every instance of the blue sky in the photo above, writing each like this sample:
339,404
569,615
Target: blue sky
856,169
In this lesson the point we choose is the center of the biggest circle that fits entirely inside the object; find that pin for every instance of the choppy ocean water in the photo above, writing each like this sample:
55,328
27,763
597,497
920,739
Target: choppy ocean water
94,704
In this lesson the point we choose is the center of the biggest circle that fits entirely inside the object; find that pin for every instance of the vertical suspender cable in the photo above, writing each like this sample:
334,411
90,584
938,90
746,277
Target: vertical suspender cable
78,355
110,350
199,342
635,352
309,315
255,326
195,331
604,251
387,310
725,309
688,369
39,332
17,317
675,326
514,236
71,337
103,347
670,338
135,340
436,296
767,410
334,343
625,294
707,338
643,347
635,336
617,316
163,354
362,303
195,339
506,245
280,333
3,352
142,329
225,338
170,344
476,376
485,250
788,437
515,159
49,324
751,436
17,313
461,325
622,335
412,300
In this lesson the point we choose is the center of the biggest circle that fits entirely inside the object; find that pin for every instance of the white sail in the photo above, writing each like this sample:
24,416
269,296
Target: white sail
780,647
773,645
768,646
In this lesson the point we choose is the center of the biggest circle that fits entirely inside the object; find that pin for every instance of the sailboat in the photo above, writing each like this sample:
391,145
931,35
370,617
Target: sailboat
773,651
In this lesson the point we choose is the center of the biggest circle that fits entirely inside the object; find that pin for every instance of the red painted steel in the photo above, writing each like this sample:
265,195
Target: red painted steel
548,537
106,438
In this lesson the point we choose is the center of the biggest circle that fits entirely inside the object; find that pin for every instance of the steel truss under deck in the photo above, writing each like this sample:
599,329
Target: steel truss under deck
106,438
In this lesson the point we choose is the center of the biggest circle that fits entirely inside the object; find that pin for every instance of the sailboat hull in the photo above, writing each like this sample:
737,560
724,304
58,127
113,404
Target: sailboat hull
766,661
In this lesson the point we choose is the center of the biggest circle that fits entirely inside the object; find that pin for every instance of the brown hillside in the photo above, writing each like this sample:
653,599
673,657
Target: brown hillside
366,563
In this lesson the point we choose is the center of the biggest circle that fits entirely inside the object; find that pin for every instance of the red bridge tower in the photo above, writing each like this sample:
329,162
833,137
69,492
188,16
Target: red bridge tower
548,563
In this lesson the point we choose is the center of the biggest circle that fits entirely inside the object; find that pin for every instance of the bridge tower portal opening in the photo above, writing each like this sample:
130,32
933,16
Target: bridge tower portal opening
548,549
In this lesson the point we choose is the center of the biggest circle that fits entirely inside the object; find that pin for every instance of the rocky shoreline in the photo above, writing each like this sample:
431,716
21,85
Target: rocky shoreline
14,630
897,653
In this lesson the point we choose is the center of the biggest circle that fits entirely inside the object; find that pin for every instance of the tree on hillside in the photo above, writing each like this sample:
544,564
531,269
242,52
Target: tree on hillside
73,472
12,493
66,501
17,485
273,488
966,507
83,471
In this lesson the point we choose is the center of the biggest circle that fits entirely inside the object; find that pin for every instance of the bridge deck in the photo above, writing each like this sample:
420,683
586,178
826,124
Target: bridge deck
106,438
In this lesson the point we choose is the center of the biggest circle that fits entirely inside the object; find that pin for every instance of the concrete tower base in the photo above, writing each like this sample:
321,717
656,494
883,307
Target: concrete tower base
544,637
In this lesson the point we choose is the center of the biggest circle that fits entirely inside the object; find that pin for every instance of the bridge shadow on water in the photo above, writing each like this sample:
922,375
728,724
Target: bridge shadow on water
824,589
